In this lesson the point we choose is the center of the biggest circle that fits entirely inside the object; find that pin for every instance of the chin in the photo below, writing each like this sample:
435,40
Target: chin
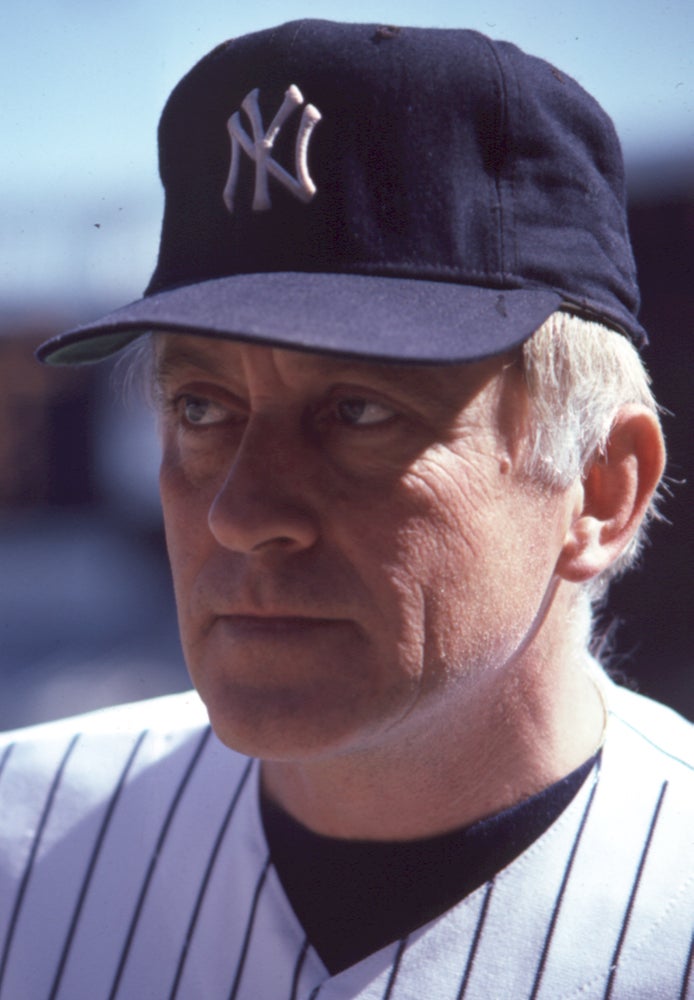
282,725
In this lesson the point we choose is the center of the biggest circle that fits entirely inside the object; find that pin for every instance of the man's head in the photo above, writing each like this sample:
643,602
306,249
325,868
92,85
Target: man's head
359,549
403,426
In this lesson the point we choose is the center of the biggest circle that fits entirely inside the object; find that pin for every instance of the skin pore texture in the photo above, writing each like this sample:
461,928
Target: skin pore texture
373,597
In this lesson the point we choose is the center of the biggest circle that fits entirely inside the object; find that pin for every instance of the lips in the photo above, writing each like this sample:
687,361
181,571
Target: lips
276,626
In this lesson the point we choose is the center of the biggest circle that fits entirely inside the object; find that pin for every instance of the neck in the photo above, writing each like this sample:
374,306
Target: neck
519,733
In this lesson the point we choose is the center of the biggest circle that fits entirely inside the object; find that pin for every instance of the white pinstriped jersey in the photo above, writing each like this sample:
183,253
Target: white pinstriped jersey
133,865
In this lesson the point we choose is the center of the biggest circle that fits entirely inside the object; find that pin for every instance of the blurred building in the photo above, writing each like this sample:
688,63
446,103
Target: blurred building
86,606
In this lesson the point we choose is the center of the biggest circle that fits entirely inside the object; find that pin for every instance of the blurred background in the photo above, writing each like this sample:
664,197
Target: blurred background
86,611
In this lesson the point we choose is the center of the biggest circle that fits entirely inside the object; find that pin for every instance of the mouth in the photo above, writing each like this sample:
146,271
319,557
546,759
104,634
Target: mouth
276,626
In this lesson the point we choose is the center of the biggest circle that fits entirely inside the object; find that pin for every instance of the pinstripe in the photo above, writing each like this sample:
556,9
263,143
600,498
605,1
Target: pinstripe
395,969
249,929
92,865
562,890
476,940
153,860
630,905
32,855
208,873
687,971
297,970
5,756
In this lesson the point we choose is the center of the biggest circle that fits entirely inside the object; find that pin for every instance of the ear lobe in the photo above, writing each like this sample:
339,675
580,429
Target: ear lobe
617,489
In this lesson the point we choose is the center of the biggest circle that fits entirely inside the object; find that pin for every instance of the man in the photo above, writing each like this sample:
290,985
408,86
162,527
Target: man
406,441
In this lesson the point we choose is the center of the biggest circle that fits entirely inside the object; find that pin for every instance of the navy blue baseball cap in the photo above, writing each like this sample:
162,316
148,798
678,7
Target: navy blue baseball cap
398,194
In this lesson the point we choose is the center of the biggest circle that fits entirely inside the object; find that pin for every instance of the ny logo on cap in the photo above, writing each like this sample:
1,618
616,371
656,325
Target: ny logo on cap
260,146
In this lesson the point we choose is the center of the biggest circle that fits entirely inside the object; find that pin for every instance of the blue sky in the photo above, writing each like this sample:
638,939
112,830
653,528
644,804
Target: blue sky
83,84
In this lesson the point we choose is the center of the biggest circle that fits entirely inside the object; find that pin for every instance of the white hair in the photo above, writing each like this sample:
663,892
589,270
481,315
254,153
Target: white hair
579,374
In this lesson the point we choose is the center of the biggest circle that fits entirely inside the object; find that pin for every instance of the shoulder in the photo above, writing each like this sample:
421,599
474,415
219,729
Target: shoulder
648,761
164,713
110,826
88,752
656,732
75,767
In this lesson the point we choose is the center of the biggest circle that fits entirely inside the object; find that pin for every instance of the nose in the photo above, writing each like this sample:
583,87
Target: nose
263,503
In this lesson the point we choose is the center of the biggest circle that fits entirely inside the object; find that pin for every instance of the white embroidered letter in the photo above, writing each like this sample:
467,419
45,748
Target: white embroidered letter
259,148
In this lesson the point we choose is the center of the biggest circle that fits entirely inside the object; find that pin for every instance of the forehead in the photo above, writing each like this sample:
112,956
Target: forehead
179,355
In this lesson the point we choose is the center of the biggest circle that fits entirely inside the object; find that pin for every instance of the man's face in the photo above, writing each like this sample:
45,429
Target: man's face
355,550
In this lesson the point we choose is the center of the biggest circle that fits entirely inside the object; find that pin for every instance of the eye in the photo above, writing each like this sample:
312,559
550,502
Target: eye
357,412
197,411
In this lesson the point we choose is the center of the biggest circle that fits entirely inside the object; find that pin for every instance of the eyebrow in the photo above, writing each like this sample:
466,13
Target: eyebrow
172,359
422,382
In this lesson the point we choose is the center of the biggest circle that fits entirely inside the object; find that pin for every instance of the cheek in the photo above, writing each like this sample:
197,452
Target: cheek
432,529
417,547
185,506
464,572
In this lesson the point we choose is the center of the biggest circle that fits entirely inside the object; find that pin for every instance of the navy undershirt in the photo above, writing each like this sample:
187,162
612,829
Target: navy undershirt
352,897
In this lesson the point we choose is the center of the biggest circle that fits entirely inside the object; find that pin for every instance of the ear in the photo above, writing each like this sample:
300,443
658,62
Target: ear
616,490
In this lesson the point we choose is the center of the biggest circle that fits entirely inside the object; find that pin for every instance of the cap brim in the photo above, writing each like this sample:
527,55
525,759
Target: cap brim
372,317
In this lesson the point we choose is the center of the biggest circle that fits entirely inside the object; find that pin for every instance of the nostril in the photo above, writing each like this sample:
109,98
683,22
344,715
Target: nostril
282,541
